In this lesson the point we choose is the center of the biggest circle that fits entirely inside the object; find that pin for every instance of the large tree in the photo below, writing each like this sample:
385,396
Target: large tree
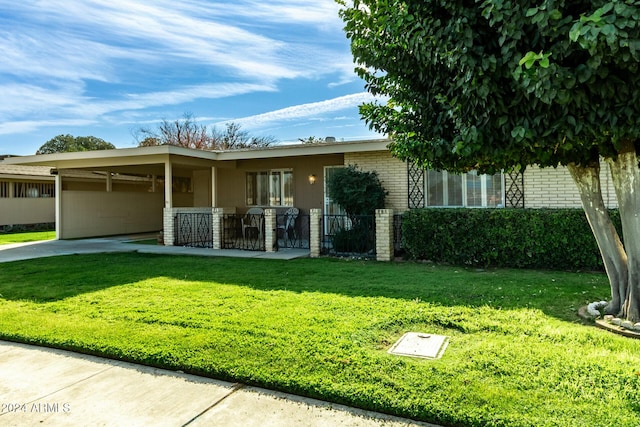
68,143
187,132
496,85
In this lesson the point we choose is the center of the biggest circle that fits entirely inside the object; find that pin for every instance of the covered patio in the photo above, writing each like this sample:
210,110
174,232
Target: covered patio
210,193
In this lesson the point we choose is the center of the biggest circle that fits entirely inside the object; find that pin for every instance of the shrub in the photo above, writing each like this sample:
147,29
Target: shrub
359,239
357,192
558,239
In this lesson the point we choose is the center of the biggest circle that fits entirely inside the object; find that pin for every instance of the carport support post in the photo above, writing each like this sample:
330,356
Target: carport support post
58,203
168,185
315,229
214,191
167,217
384,234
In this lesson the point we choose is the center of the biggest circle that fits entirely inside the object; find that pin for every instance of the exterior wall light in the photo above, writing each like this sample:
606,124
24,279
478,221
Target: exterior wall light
312,179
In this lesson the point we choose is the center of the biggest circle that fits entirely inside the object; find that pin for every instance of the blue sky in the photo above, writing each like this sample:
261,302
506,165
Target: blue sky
105,68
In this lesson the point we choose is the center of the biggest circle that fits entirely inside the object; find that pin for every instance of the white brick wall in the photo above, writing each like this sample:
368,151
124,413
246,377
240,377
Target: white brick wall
384,234
391,171
554,188
543,187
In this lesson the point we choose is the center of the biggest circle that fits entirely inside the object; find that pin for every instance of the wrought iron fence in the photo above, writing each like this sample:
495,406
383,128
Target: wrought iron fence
243,232
397,235
193,229
292,231
349,235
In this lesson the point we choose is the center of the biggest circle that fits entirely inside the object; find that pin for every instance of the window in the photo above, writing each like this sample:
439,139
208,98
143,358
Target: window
444,189
270,188
179,184
29,190
4,189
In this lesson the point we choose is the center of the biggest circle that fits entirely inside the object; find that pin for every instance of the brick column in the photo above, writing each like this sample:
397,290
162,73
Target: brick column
270,235
315,234
218,227
384,234
167,226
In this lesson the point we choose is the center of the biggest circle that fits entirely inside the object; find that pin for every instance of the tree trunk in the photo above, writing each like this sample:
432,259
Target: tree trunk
626,181
587,178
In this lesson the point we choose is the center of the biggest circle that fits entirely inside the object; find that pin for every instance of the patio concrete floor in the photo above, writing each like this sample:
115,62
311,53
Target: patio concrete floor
47,248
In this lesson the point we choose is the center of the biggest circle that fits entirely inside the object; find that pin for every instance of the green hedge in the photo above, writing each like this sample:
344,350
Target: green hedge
558,239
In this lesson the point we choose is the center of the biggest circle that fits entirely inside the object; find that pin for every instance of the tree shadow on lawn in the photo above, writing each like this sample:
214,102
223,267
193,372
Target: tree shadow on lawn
559,294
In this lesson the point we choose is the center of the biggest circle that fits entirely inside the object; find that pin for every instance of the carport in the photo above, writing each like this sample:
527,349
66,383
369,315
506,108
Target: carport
124,191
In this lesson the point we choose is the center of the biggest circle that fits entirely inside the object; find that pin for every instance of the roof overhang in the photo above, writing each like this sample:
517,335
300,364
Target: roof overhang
186,157
322,148
116,157
19,172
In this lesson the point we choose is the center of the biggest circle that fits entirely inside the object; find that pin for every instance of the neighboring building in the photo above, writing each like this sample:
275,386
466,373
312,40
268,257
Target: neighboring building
26,196
123,191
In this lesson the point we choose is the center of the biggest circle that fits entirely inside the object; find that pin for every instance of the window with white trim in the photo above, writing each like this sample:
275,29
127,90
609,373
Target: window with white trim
270,188
445,189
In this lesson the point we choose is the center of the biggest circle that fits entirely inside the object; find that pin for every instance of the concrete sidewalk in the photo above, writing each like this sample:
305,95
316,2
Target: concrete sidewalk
42,386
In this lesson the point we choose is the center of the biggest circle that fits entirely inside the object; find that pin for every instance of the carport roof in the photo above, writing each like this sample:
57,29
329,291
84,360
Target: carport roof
18,171
186,156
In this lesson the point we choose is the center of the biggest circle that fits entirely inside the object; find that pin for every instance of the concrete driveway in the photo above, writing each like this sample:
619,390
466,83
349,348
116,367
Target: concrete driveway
47,248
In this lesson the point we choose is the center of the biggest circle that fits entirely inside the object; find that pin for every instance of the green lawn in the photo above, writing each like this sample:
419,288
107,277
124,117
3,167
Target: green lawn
518,356
32,236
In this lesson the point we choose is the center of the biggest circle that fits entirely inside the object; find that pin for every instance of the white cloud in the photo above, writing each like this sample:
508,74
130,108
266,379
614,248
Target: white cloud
90,35
109,62
24,99
320,13
70,105
18,127
306,111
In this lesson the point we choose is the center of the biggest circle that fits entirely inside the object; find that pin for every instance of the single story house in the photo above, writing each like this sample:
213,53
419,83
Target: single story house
124,191
26,195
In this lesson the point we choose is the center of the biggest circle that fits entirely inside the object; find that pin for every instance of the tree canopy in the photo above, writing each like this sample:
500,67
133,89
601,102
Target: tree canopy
69,143
496,85
187,132
312,140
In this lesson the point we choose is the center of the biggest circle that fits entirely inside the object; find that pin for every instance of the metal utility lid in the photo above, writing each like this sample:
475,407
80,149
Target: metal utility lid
420,344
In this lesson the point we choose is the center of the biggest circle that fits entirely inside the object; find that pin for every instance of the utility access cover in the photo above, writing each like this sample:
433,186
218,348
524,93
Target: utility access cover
419,344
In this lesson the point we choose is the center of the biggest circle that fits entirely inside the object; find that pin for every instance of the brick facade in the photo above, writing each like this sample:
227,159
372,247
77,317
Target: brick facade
391,171
384,234
543,187
554,188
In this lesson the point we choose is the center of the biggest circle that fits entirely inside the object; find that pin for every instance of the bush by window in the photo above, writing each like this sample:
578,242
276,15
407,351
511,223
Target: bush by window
558,239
